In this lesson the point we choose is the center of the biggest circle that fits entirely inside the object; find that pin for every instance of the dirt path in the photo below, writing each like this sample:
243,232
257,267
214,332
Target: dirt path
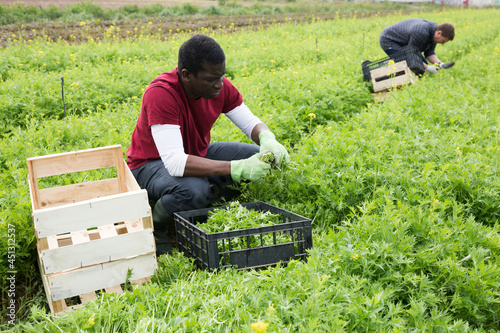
115,4
161,28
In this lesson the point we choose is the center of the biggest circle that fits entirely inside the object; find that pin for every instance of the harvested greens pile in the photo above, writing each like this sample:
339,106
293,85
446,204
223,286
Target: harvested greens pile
237,217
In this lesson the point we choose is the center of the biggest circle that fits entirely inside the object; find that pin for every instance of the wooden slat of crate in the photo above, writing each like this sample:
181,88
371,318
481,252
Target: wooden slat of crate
390,82
54,306
121,166
51,243
87,279
141,281
130,181
67,194
80,237
60,306
91,213
134,226
106,231
114,289
98,251
388,69
88,297
82,160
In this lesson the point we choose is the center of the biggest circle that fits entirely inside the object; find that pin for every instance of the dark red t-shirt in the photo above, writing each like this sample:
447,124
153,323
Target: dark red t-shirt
165,102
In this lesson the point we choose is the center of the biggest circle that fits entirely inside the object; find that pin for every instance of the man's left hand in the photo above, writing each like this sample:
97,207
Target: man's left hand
268,142
432,69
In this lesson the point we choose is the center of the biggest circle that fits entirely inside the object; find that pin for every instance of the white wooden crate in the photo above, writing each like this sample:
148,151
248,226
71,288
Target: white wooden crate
90,234
391,76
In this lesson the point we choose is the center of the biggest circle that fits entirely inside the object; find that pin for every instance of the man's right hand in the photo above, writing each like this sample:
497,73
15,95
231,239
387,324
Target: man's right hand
432,69
251,168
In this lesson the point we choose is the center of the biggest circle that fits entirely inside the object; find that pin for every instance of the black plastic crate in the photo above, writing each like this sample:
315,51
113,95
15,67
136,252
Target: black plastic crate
412,56
216,250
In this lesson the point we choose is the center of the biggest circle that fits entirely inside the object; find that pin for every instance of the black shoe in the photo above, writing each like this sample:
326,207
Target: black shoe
163,246
162,223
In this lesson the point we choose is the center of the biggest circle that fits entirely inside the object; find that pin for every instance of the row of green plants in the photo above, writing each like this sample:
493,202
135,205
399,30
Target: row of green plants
100,76
87,10
90,11
403,194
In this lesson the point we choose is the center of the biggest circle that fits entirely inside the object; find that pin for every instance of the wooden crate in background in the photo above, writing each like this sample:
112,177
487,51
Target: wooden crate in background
391,76
90,235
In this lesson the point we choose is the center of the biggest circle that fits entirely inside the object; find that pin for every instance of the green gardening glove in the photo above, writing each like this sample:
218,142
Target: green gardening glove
268,142
251,168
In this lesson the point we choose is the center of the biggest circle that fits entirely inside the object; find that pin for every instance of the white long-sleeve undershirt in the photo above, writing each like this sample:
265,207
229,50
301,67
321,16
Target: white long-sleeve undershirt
242,117
168,141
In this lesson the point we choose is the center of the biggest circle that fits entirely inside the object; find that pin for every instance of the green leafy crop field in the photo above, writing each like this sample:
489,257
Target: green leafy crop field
404,194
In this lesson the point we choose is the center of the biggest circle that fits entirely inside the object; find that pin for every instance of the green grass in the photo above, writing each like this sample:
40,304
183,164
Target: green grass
404,193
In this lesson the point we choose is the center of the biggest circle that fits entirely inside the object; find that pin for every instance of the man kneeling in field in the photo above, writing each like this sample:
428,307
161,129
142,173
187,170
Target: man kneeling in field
420,34
171,155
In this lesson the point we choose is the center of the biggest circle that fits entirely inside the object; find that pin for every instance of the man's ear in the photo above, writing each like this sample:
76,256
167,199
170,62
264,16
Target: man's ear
186,75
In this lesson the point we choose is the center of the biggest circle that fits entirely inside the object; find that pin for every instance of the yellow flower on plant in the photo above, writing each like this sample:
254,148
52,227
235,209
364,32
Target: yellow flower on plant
391,62
312,115
324,277
259,327
89,323
270,309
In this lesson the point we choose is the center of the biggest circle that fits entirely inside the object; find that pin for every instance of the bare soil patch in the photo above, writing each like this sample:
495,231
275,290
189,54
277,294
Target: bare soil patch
159,28
116,4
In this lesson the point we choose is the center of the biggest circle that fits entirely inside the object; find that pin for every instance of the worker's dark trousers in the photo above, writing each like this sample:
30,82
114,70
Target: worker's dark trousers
186,193
392,51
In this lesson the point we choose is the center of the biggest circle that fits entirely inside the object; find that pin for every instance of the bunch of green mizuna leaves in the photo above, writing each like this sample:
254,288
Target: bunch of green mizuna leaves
237,217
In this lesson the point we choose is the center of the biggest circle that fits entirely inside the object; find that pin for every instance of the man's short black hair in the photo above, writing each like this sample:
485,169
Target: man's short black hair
198,50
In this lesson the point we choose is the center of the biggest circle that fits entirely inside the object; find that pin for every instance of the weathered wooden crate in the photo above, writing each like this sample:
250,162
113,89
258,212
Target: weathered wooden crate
391,76
89,234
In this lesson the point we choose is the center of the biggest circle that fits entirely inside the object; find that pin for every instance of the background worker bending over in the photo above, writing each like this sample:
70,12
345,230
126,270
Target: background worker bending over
420,34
